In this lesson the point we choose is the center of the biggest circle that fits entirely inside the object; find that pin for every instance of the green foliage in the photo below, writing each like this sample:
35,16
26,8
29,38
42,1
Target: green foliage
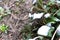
4,12
27,36
27,28
3,28
26,32
39,2
51,2
50,32
58,12
53,9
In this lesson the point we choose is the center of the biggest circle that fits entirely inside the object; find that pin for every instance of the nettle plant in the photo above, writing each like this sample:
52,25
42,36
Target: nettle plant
48,14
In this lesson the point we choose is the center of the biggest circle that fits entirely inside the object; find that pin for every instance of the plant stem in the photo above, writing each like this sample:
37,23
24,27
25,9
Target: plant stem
54,33
56,12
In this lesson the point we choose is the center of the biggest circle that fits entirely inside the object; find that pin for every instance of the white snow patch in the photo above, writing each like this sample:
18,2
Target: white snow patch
43,30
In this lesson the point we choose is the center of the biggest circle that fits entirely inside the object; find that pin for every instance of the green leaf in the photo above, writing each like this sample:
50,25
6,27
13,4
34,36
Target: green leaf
51,2
51,31
39,3
58,13
55,19
53,10
48,20
52,19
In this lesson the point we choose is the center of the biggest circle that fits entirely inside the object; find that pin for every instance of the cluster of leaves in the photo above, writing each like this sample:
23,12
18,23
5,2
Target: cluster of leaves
54,19
3,28
27,32
50,7
3,12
